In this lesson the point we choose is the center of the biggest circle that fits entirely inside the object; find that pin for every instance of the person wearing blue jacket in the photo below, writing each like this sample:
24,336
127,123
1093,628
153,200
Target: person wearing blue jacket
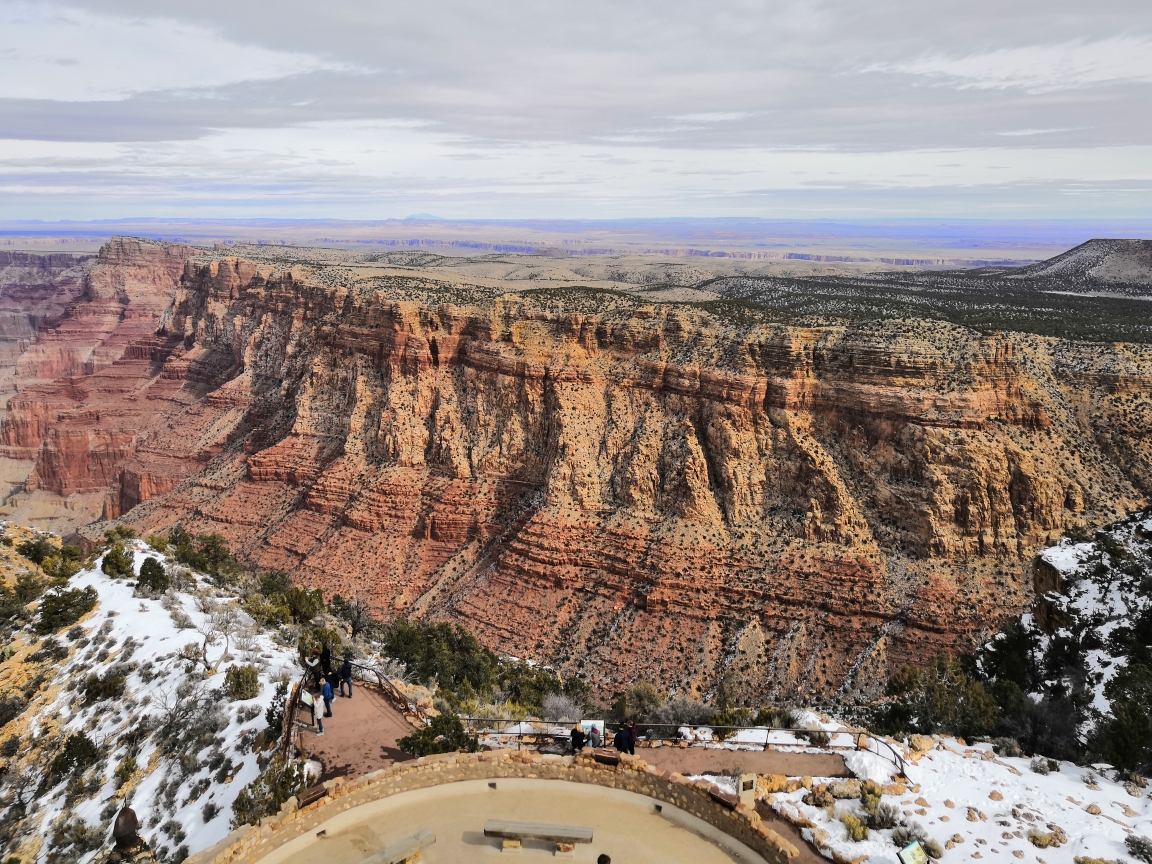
326,692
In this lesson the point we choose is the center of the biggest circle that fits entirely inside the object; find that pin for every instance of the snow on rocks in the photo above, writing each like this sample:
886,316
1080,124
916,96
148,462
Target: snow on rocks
979,806
182,793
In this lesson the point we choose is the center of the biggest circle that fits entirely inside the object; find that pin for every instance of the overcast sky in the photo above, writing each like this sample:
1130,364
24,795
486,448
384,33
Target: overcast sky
977,108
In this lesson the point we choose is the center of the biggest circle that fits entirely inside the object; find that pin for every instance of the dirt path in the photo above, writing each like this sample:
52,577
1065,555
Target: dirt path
698,760
359,737
808,853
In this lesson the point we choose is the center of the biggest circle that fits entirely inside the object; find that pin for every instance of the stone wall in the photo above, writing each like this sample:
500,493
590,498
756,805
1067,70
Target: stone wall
703,800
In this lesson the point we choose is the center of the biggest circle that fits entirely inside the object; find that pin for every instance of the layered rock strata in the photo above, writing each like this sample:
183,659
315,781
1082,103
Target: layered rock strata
644,491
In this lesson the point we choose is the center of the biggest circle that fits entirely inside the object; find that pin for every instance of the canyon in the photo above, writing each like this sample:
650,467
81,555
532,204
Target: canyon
604,466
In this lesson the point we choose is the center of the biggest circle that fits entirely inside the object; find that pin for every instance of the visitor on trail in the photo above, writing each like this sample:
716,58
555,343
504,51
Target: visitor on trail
346,676
326,660
594,737
577,739
314,665
326,692
603,859
631,738
622,739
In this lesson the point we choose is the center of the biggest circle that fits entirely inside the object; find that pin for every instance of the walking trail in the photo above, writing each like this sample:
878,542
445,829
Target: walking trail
359,737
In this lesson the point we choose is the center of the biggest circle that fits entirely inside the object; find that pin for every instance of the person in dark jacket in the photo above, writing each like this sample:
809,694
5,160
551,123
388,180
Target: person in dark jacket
631,738
621,739
326,693
577,738
326,660
346,676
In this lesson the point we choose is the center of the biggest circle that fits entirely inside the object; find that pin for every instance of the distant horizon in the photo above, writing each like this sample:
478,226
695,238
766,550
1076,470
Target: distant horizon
921,241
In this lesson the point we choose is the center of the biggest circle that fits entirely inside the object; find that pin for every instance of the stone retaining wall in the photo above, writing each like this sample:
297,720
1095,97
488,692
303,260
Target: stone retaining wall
248,844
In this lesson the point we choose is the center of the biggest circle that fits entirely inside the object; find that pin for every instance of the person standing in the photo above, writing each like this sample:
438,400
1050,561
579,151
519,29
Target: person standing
346,676
326,660
326,693
313,664
594,738
577,738
621,739
631,738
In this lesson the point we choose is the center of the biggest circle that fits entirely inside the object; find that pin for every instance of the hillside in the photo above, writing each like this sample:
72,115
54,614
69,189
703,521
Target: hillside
109,709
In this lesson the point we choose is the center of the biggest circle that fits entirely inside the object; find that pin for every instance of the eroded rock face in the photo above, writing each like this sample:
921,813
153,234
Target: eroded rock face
638,492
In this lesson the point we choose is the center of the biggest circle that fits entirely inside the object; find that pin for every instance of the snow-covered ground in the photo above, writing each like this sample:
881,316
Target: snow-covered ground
182,795
986,806
1100,596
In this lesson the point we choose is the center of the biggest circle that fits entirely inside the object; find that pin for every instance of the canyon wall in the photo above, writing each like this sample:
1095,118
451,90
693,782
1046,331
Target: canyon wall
633,491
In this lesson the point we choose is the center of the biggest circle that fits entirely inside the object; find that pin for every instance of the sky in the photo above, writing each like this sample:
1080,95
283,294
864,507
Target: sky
1003,109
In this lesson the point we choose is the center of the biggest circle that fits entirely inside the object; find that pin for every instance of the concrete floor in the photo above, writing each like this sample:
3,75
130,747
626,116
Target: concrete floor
359,737
626,826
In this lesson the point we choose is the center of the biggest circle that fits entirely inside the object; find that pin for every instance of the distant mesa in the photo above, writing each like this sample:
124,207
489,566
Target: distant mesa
1117,265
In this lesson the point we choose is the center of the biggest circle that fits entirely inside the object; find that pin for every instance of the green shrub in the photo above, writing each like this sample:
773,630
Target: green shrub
155,541
153,578
28,587
61,609
50,651
37,549
939,698
886,816
266,610
11,707
304,604
815,736
449,654
1125,738
857,830
125,770
78,836
118,561
446,735
1139,847
356,614
208,553
110,685
914,831
267,793
242,682
274,716
77,754
777,718
870,796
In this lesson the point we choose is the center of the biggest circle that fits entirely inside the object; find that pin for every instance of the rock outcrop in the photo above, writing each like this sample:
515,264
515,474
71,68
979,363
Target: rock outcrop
634,491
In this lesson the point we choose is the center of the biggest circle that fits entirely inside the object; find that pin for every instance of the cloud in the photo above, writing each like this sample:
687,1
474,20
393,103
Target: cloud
1038,68
674,106
56,52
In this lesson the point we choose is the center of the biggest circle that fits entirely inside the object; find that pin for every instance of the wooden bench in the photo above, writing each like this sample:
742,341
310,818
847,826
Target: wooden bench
406,851
512,833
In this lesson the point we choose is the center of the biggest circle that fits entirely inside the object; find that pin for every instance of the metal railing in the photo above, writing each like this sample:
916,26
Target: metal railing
401,702
545,732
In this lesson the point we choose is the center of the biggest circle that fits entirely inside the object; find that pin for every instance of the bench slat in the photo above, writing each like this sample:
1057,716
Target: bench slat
510,830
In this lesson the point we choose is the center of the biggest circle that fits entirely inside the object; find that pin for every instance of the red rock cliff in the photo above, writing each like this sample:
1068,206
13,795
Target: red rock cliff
646,491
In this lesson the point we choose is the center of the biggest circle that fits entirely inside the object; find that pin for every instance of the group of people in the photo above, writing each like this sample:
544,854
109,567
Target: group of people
624,740
320,666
